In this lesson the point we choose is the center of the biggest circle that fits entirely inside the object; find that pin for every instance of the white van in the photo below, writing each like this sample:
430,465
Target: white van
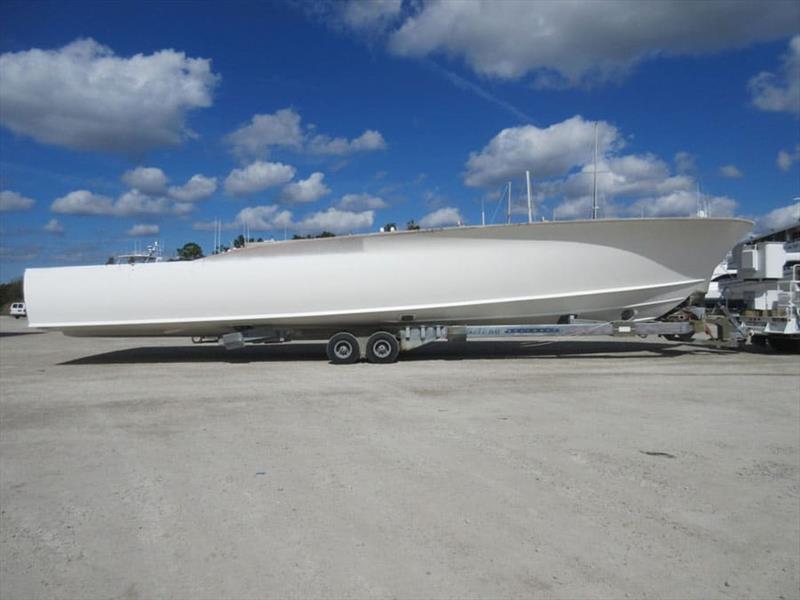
18,310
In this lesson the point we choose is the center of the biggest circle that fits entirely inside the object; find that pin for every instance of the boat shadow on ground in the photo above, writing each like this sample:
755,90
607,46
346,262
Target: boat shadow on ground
15,333
595,349
438,351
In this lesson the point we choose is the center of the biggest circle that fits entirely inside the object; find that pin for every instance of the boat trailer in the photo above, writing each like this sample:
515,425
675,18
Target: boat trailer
385,345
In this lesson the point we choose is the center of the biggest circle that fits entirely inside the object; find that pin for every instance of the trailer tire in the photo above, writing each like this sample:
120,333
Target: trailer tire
343,349
382,348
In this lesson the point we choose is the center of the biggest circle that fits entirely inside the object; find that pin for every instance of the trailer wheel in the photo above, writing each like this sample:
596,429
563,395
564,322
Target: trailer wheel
343,349
382,347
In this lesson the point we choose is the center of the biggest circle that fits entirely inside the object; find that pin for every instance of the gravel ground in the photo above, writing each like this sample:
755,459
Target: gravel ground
151,468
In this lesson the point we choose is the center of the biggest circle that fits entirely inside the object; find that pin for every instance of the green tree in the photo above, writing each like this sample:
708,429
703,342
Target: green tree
240,242
324,234
190,251
412,225
11,292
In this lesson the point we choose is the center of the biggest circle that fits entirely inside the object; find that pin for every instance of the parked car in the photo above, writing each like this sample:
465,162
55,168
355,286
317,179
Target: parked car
18,310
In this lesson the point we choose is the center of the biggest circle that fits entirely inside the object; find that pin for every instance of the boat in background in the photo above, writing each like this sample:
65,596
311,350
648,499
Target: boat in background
519,273
151,254
722,273
765,291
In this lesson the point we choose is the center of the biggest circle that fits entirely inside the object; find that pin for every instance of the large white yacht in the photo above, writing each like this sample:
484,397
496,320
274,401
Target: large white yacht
518,273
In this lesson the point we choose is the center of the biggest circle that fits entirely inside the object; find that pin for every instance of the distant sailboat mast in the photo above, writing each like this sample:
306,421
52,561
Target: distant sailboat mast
530,208
509,203
702,209
594,183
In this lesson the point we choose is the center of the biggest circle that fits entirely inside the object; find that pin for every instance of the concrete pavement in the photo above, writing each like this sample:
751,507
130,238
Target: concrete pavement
151,468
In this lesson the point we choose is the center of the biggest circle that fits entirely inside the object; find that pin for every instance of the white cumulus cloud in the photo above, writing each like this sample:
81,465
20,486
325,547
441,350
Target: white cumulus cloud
442,218
264,218
628,176
681,204
12,201
582,41
339,146
580,208
130,203
684,163
143,229
53,226
199,187
149,180
356,202
270,217
369,14
257,176
780,218
152,181
561,160
83,202
337,221
649,188
284,128
83,96
547,152
265,131
306,190
731,172
134,203
780,92
786,158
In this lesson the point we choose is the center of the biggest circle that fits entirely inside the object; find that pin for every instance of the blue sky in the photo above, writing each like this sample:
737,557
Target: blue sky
125,123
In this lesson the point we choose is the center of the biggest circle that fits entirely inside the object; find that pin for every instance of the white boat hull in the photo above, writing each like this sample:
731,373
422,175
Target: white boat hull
524,273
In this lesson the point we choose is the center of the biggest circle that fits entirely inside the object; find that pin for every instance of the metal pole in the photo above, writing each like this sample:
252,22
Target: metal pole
509,202
697,207
528,181
594,186
483,211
